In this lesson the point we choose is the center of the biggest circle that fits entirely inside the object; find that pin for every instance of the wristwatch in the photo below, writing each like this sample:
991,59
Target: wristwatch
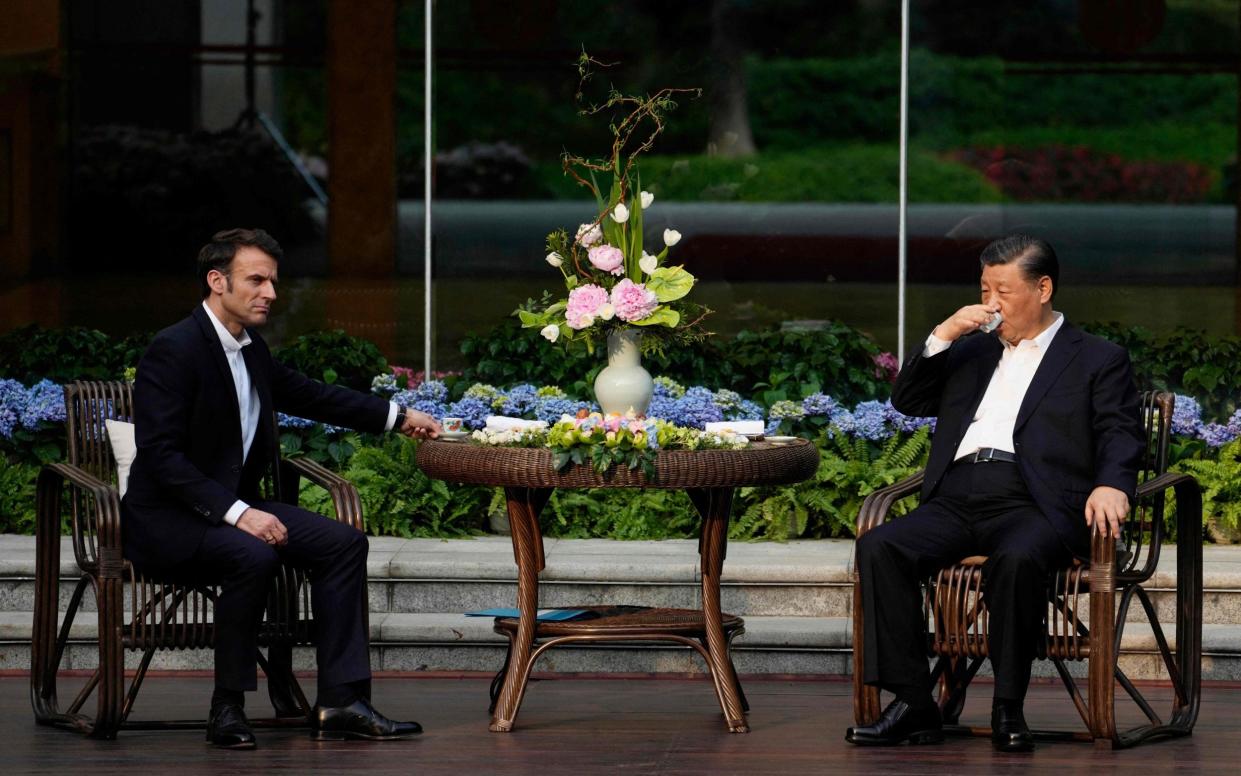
401,414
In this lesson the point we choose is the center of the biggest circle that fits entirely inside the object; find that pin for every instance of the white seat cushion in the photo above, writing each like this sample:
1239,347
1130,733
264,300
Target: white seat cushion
121,437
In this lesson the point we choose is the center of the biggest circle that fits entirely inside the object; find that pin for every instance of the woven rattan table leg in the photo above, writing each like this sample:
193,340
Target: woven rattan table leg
714,504
524,506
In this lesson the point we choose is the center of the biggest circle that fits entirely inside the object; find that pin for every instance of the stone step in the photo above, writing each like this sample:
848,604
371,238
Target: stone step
770,645
799,578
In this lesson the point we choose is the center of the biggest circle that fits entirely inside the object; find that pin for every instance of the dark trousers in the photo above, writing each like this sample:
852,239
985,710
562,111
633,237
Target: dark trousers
333,554
978,509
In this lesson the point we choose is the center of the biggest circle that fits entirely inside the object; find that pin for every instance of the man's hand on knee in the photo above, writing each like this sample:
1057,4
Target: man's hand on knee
1106,510
264,526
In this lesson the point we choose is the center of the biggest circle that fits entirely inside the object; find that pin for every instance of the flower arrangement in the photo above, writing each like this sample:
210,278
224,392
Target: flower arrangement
622,440
611,281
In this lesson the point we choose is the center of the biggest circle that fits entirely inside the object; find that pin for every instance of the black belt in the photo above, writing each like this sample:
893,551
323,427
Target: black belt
985,454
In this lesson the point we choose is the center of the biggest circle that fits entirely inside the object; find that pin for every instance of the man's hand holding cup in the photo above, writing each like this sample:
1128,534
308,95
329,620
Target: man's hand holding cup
969,318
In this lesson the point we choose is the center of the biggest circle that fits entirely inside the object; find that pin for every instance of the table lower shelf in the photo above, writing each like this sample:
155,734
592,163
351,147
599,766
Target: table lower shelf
626,622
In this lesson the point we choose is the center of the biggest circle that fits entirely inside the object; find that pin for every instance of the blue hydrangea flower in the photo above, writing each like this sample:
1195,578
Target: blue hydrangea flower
1216,434
1186,416
473,410
384,385
551,408
664,407
697,408
292,421
668,388
746,410
519,400
433,408
12,402
45,403
431,390
1234,423
869,421
819,405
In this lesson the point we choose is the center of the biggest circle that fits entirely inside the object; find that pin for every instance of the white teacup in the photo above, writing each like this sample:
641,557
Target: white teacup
452,425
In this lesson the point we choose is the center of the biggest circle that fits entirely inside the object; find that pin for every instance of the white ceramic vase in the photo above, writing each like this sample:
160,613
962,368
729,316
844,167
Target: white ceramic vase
623,384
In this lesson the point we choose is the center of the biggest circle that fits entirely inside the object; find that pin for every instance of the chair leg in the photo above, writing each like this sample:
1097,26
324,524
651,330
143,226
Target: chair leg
282,686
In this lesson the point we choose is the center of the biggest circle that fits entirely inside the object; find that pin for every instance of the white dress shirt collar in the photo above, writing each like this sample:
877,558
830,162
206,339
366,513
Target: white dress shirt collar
230,343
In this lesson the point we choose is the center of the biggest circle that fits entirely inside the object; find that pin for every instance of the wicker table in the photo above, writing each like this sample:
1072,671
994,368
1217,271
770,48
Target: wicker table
528,479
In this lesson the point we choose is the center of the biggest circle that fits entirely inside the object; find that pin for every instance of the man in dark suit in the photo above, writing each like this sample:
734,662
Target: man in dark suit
1037,442
205,398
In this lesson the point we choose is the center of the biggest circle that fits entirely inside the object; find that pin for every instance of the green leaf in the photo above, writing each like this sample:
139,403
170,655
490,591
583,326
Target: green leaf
663,316
329,375
670,283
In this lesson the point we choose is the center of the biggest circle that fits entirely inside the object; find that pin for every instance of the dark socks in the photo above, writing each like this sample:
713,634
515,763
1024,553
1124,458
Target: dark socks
344,694
916,696
1011,705
223,696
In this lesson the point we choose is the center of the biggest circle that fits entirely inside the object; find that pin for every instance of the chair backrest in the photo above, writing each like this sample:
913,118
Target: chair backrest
87,406
1139,545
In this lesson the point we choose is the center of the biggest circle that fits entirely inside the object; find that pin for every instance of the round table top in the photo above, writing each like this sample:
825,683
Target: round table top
762,463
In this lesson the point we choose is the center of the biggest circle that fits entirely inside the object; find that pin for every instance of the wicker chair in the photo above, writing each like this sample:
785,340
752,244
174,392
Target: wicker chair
160,616
1088,606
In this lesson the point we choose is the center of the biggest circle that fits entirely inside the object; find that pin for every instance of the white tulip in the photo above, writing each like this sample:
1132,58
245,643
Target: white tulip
607,311
555,259
647,198
620,214
671,237
551,332
648,263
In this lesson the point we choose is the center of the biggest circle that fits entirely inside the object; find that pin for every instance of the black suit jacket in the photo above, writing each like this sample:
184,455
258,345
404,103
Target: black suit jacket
1078,427
189,468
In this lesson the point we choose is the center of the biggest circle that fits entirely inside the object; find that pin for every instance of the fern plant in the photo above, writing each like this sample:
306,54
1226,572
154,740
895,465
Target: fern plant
399,500
827,504
1221,490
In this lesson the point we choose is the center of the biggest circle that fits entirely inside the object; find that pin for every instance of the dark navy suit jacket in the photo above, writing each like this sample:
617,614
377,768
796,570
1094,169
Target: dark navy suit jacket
189,468
1078,427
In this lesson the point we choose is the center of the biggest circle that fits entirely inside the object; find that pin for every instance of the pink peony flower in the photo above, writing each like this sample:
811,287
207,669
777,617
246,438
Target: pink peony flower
633,301
608,259
584,304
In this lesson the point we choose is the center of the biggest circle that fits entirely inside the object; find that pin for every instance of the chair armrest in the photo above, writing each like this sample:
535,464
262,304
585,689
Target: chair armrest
106,559
1188,516
879,503
344,495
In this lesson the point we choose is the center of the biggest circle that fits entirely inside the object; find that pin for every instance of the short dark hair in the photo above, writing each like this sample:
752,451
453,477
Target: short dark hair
1035,257
218,254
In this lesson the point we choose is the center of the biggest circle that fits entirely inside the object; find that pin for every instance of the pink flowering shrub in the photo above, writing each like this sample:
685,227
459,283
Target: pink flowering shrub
633,301
886,366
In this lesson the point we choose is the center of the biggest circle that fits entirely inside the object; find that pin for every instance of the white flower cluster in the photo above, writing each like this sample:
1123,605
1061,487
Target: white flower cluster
515,437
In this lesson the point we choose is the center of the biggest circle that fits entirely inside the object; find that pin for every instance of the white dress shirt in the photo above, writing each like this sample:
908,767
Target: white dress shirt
996,416
248,399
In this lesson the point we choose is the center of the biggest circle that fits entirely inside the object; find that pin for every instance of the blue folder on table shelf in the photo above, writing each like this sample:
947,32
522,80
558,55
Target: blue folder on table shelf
545,615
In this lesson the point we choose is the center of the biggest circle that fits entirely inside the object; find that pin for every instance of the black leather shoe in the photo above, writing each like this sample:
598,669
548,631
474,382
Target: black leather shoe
1009,731
898,723
228,728
358,720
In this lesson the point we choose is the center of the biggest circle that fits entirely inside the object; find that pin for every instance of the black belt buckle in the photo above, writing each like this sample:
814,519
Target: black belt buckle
986,454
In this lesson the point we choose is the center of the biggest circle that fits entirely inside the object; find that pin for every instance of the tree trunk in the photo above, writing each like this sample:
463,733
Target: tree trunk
730,118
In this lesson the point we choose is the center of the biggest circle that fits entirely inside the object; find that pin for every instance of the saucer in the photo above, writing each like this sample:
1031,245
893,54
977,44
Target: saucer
782,440
452,436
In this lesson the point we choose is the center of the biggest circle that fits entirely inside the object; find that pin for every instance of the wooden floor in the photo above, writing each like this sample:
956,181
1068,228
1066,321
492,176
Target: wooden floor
582,726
